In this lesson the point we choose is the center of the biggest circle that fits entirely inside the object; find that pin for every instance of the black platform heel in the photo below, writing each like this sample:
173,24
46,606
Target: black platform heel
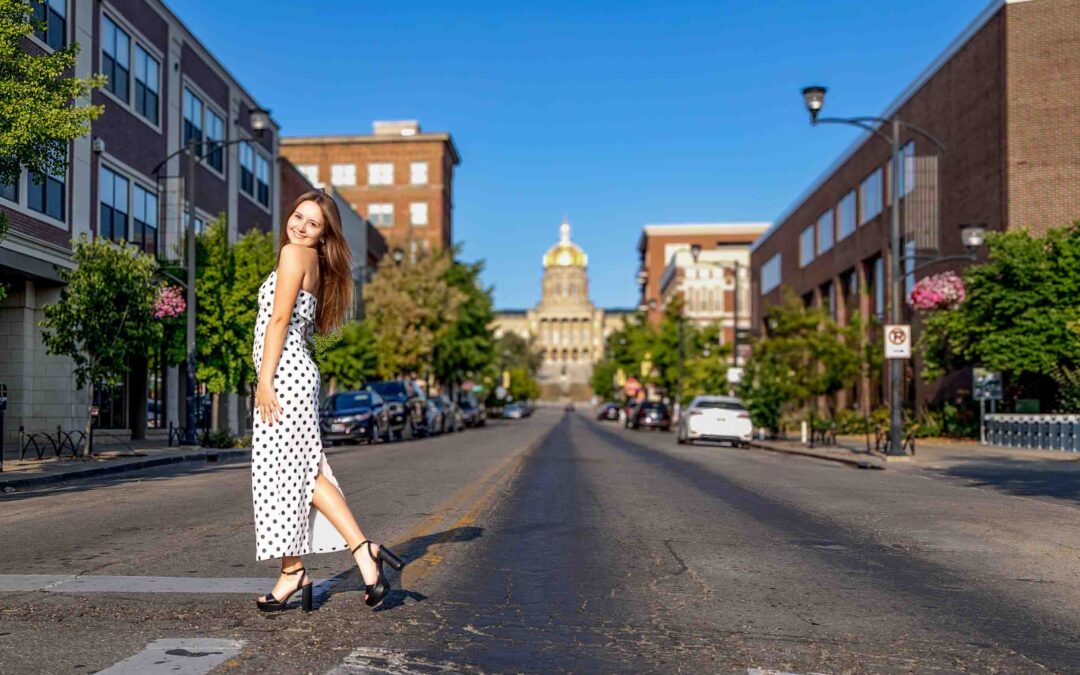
272,604
378,590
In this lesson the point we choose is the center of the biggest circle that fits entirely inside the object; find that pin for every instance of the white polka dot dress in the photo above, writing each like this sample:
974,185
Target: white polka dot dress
287,457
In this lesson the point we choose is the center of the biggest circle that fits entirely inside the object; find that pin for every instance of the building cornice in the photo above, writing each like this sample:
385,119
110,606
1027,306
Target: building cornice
701,229
343,139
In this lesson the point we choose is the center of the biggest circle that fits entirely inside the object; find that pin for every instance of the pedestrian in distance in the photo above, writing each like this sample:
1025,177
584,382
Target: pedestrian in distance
298,505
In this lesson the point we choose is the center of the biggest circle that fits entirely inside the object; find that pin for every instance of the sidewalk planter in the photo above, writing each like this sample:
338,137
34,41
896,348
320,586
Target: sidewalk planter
1042,432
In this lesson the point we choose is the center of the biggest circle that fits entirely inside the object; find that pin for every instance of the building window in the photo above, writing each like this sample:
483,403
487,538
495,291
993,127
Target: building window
825,232
115,57
146,84
870,193
247,169
10,191
343,174
418,213
113,197
907,168
381,173
806,246
310,171
845,216
193,115
47,194
145,218
200,225
262,180
770,274
879,287
53,13
909,266
418,173
381,214
215,135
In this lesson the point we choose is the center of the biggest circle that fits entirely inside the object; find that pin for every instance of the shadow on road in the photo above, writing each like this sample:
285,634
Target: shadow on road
1021,477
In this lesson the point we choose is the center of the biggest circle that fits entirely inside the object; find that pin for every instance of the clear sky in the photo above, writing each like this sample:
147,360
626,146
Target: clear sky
616,114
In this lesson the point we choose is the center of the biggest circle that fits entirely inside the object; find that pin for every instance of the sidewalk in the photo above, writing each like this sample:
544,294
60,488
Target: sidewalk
934,453
112,455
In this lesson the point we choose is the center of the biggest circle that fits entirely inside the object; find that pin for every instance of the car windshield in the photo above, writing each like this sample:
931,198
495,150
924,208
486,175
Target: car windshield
719,405
352,399
652,406
392,388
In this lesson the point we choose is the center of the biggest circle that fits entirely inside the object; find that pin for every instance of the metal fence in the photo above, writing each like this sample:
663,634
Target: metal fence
1038,432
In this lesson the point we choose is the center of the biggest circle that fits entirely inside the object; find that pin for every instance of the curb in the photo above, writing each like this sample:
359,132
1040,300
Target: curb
857,462
209,455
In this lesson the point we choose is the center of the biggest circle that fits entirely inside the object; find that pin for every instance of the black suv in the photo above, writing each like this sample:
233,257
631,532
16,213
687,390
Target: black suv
404,407
353,416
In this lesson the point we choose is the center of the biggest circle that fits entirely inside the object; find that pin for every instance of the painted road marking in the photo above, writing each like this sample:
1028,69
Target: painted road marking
767,671
183,656
131,584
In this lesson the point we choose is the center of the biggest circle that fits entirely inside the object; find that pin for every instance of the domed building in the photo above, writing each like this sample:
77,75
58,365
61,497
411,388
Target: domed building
567,329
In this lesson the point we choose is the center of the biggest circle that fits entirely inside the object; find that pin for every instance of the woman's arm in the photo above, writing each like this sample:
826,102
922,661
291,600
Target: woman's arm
290,278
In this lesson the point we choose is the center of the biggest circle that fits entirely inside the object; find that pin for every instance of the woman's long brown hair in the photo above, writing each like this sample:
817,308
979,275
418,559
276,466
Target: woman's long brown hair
335,263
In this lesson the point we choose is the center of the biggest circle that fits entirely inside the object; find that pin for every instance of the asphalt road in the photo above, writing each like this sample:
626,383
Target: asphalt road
556,543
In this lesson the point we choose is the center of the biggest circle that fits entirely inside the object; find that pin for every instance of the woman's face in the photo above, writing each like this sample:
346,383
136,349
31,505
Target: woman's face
306,224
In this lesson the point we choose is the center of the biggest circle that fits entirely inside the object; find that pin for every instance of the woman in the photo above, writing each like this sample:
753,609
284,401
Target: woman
299,507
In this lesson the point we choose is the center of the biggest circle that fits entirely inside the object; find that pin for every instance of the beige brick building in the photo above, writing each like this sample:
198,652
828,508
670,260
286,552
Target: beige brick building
398,177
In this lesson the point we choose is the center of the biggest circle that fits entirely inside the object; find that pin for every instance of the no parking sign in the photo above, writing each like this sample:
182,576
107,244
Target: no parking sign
898,341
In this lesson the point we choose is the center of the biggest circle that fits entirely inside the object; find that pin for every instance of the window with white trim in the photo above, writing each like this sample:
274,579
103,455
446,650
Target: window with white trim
10,191
147,76
310,171
825,232
381,214
418,173
380,173
115,57
247,169
418,213
193,120
144,220
907,168
262,180
215,136
49,196
113,201
870,196
770,274
53,13
806,246
845,216
343,174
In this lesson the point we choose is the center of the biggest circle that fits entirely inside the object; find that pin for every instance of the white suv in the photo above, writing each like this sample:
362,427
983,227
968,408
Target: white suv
716,418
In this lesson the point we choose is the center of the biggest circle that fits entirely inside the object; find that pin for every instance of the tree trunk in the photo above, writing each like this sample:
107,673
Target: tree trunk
215,411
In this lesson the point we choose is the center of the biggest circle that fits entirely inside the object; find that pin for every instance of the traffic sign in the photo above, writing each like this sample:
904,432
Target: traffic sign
987,385
897,341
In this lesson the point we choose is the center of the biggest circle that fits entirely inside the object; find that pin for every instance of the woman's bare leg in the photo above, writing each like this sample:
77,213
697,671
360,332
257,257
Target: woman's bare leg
329,501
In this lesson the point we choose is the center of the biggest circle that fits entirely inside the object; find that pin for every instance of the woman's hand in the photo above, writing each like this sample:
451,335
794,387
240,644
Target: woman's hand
266,403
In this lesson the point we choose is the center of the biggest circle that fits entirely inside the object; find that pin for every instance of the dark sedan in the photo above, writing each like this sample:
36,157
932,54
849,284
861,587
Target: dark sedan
405,407
608,411
650,415
352,416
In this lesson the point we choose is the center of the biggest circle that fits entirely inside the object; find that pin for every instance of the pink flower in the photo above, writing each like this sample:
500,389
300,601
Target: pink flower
938,291
170,302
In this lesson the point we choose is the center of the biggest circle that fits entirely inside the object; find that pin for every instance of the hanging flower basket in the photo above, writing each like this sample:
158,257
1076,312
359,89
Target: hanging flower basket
170,302
938,291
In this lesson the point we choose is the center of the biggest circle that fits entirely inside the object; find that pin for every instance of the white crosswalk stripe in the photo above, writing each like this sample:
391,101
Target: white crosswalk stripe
178,656
372,660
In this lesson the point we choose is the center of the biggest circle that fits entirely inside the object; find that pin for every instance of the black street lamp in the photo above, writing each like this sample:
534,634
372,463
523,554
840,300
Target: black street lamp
259,121
814,98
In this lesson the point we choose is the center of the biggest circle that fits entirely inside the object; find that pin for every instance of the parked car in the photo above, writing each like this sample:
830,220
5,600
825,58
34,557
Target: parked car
353,416
453,418
528,406
716,418
434,419
608,411
472,410
651,415
513,411
628,412
405,408
569,407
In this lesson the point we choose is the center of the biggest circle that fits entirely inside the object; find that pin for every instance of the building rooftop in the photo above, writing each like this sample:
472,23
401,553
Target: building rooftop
383,132
754,228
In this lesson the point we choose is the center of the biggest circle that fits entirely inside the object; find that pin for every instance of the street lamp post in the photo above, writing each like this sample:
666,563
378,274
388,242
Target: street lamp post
259,121
814,99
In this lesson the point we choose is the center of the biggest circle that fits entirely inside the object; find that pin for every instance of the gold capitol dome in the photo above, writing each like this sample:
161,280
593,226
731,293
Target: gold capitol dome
565,253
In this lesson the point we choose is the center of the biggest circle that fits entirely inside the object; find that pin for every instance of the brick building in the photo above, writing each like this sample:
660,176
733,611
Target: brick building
400,177
164,88
707,284
1002,99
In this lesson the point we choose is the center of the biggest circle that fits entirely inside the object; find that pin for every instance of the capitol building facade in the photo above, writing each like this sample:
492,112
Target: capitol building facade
565,327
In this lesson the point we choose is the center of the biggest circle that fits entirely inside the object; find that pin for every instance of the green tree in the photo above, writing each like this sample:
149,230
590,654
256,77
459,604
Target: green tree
1020,314
602,380
411,306
353,359
37,116
513,351
104,315
523,386
468,346
254,257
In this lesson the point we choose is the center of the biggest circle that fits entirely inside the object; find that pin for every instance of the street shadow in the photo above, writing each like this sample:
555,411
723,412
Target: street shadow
409,551
1020,477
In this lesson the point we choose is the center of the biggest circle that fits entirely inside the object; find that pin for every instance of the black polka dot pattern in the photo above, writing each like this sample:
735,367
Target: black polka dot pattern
286,457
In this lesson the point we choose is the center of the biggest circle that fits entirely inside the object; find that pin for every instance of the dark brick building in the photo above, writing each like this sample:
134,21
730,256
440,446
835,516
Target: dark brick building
1002,98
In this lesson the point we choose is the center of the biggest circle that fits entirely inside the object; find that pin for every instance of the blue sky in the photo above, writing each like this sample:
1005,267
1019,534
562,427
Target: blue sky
616,114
